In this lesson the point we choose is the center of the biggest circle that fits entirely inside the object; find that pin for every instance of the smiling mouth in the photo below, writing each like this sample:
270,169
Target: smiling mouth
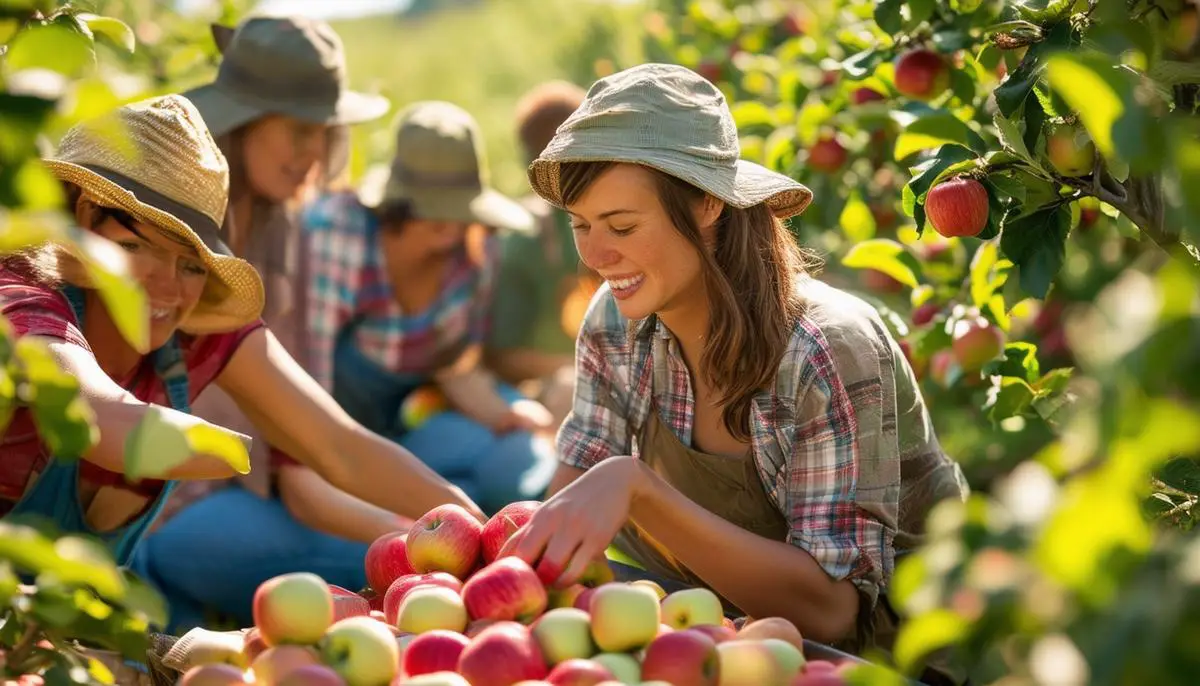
626,283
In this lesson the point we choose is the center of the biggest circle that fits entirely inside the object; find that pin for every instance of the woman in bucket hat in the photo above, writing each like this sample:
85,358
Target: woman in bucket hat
737,424
162,205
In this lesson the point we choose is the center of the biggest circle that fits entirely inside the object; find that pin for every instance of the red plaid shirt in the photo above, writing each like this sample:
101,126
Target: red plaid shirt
830,438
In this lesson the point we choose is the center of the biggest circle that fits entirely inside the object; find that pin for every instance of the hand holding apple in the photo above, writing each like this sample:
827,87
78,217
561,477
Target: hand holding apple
503,525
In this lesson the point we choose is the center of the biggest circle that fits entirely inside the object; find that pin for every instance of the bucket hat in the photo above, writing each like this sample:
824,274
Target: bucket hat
672,119
440,169
282,65
167,171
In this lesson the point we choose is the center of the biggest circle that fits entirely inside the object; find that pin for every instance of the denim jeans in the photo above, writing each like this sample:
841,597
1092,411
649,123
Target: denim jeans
214,554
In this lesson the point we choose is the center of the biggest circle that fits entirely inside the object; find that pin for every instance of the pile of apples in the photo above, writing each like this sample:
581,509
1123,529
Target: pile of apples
444,610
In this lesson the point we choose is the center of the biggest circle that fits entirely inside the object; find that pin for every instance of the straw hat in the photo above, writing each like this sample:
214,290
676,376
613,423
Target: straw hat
672,119
167,173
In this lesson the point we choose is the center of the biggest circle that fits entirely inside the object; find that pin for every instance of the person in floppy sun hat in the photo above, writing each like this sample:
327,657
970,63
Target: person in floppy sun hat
160,199
737,424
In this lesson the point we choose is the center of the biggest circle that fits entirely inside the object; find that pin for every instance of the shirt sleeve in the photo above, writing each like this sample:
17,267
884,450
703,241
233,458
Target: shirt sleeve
336,229
480,324
598,425
823,474
33,310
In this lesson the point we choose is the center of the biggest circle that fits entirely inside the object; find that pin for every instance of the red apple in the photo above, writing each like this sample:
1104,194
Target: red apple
718,634
819,673
584,600
710,70
925,312
433,651
293,608
976,342
435,679
501,655
957,207
402,586
880,282
208,675
503,525
374,599
387,560
826,155
348,603
445,539
792,25
942,366
507,589
922,74
477,626
312,675
276,663
682,658
1070,151
578,673
863,95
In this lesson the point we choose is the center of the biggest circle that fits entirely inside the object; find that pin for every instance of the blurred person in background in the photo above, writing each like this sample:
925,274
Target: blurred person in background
542,288
279,108
162,206
401,277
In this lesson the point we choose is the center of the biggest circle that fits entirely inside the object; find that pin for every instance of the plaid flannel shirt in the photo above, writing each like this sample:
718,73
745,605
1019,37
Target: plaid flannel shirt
831,439
348,282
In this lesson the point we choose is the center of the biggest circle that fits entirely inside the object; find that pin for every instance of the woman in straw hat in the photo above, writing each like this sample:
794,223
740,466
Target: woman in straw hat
737,424
163,205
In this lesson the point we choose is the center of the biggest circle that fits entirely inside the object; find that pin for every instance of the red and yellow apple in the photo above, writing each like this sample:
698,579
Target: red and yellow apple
433,651
401,587
976,341
772,627
445,539
957,207
682,658
624,617
312,675
692,606
362,651
747,663
507,589
387,560
501,655
293,608
826,155
576,672
211,675
426,608
922,74
502,525
564,634
1070,150
274,664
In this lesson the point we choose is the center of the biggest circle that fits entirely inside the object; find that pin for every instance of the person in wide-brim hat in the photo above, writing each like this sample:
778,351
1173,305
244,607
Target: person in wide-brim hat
726,401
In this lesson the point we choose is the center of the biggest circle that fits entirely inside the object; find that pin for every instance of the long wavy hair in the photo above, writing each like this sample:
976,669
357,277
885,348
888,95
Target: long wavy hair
749,276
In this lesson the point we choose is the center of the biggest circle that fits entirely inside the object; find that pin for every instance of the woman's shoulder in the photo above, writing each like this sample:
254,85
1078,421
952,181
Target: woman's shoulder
603,321
837,332
33,308
341,211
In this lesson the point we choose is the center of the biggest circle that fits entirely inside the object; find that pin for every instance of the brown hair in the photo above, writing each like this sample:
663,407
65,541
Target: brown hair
542,110
749,276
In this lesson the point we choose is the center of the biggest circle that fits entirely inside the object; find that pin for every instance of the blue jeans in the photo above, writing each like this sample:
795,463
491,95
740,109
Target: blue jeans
214,554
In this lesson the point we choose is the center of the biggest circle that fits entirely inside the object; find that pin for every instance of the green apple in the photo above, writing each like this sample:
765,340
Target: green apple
624,617
564,633
692,606
623,666
658,590
747,663
791,660
432,607
362,650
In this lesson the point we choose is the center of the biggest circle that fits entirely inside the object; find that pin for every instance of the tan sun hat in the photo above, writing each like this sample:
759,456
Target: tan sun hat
168,172
672,119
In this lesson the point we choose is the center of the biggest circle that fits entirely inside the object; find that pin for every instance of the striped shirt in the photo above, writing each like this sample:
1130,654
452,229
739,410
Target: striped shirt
348,282
842,440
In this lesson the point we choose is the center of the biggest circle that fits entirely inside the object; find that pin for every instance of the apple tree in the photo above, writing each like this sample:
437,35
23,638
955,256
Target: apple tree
1014,184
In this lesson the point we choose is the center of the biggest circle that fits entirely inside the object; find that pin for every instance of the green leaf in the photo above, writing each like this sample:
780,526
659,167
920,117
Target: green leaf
952,40
50,46
1182,474
1010,136
64,420
1037,246
1020,362
71,560
1010,397
862,64
933,131
114,30
1011,94
24,117
887,15
856,220
919,11
887,256
154,447
143,600
1043,12
988,273
962,84
780,151
792,89
925,634
209,439
751,115
30,186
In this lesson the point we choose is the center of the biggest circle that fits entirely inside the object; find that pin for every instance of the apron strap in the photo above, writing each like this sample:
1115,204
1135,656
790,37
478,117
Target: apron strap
169,364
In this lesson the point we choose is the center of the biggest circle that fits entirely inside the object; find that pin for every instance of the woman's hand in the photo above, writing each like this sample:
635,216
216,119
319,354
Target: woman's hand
524,415
577,524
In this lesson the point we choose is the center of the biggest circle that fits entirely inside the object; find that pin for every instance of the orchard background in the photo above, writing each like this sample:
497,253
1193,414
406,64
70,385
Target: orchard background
1059,347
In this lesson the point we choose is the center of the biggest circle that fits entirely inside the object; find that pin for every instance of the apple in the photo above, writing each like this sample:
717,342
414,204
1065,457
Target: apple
577,672
362,651
922,74
503,525
500,655
710,70
826,155
211,675
975,342
475,627
624,667
819,673
563,634
275,663
943,368
747,663
1070,150
957,207
431,607
772,627
690,607
925,312
863,95
583,601
433,651
293,608
312,675
507,589
435,679
347,603
683,658
445,539
597,573
624,617
792,25
373,598
881,282
253,644
564,597
718,634
653,586
404,585
387,560
789,658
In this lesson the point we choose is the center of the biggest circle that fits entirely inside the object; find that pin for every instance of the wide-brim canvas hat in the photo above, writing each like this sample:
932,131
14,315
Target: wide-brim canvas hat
439,168
293,66
672,119
160,164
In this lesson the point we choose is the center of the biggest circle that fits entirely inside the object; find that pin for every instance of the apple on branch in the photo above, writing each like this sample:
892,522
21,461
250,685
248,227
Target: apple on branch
922,74
957,207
